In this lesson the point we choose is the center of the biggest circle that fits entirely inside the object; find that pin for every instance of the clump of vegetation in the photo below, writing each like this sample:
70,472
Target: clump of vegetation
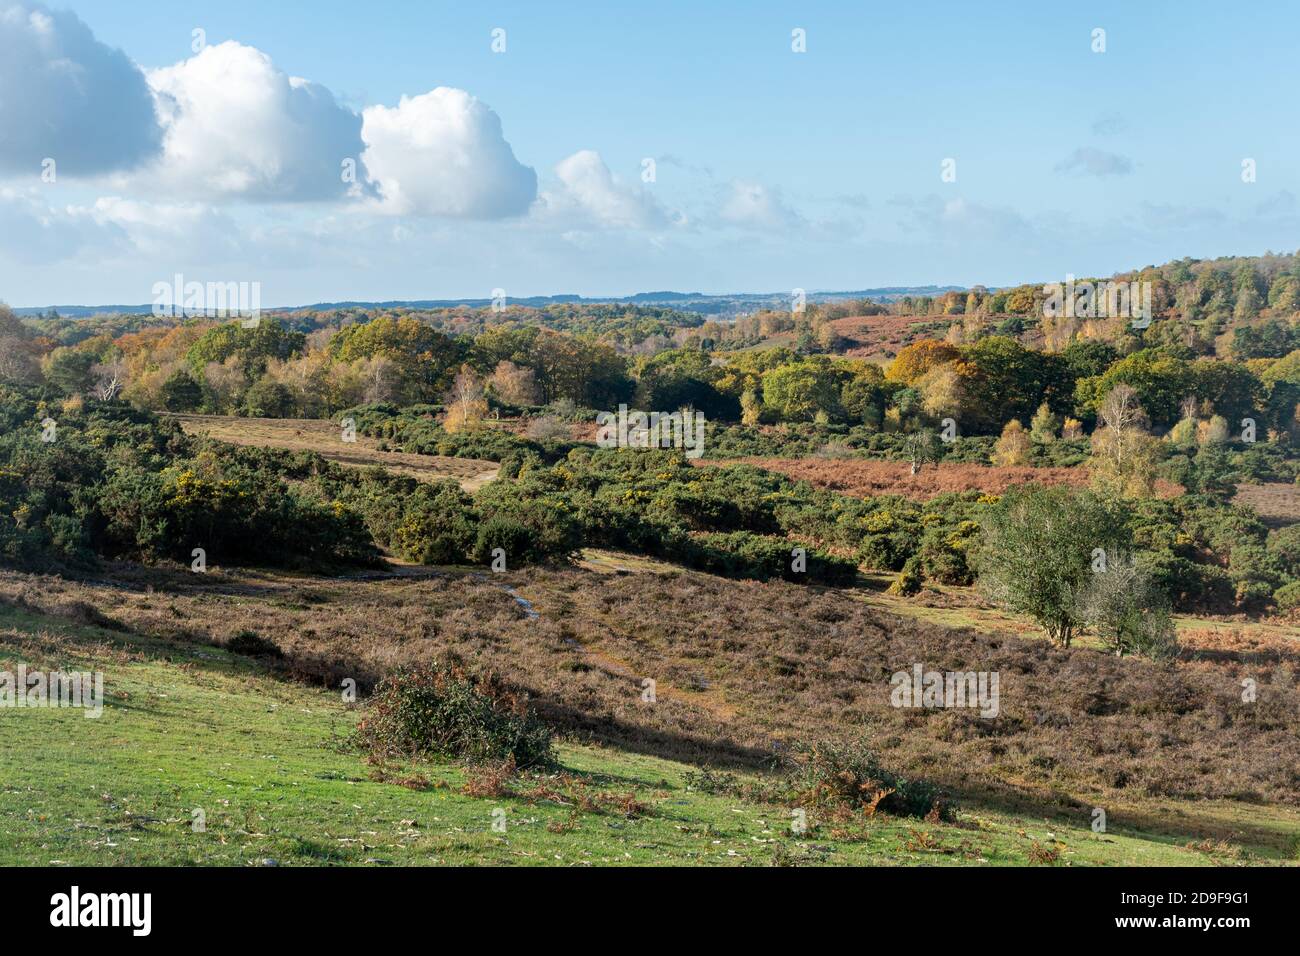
1287,597
909,580
843,778
1128,612
252,644
440,710
1037,553
848,776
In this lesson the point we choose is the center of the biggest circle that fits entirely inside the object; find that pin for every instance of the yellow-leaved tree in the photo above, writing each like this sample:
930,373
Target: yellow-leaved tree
1124,453
466,401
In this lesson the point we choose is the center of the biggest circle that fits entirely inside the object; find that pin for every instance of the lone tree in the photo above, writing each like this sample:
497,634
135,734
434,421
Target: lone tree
1128,610
1037,552
466,402
920,448
1124,455
1012,449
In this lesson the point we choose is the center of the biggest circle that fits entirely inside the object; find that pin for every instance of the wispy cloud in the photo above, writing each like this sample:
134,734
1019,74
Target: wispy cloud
1089,161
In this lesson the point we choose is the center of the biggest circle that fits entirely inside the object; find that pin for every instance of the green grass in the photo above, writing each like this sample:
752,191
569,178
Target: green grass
190,727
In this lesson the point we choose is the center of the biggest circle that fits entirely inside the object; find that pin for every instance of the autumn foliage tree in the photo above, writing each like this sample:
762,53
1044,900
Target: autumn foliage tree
1013,447
466,401
1124,454
913,361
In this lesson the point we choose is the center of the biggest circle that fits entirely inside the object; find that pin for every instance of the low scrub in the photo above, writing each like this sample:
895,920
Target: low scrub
440,710
848,776
838,777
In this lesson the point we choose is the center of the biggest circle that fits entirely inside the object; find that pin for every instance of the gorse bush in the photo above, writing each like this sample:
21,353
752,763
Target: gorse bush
909,580
117,482
440,710
437,525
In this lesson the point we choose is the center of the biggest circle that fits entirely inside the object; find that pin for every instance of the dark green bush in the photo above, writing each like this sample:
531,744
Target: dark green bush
440,710
1287,597
252,644
437,525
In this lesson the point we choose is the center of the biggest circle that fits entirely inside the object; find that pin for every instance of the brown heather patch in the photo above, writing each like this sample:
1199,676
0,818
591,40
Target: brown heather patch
743,669
881,336
1251,645
861,478
1277,502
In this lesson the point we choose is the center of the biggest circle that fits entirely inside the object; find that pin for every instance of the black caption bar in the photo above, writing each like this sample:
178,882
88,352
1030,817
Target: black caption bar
140,907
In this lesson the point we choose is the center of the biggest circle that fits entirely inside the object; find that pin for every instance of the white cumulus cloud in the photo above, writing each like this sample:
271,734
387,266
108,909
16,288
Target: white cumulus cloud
443,153
67,97
755,206
34,233
589,191
236,126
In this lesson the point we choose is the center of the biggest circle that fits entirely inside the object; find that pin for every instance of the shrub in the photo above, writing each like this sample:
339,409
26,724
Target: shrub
1128,610
547,429
252,644
528,530
439,710
849,776
909,580
1287,597
506,532
437,525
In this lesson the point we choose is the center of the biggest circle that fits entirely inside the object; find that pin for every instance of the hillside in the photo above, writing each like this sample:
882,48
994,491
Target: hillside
188,726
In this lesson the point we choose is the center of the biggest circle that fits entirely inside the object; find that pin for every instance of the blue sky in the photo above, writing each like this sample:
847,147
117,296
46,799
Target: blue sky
774,169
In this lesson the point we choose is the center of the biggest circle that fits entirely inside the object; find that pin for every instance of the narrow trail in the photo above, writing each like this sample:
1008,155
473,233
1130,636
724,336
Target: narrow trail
706,699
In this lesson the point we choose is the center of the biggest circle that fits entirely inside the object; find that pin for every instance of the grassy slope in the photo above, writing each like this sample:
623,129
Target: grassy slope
189,726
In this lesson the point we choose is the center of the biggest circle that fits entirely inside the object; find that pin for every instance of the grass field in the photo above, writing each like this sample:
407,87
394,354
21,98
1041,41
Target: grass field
324,438
189,727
